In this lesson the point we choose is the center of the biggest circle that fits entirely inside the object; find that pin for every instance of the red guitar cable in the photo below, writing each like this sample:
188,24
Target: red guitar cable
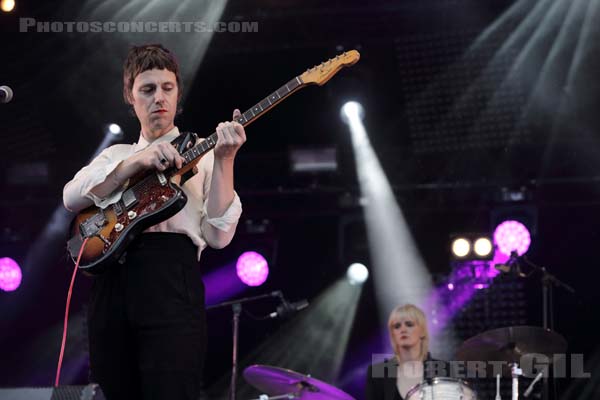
64,336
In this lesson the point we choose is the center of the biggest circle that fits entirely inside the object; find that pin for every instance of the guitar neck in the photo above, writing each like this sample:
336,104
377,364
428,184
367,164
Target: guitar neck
249,116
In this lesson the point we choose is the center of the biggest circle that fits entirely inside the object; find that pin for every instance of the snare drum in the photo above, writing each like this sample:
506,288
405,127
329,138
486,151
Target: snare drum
442,389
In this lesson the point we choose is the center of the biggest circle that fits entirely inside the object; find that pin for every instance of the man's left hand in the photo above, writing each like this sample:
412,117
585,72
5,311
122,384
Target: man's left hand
231,136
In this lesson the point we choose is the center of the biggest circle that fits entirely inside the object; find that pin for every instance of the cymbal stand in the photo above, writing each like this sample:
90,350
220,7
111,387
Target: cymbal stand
236,306
548,283
515,372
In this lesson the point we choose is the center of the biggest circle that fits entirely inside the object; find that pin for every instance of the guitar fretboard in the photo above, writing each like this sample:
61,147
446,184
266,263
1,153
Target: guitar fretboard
247,117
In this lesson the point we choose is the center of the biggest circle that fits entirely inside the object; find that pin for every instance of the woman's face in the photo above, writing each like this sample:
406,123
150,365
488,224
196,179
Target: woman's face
406,332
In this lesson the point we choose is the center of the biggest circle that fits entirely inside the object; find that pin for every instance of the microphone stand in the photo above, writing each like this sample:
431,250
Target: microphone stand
236,306
548,282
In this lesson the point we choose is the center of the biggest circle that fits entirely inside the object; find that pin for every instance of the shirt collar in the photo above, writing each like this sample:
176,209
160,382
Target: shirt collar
143,143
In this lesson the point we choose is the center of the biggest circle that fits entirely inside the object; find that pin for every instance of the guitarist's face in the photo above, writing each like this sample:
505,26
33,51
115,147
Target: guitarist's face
154,99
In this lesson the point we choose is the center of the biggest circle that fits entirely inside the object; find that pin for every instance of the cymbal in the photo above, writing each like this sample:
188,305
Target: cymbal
511,343
276,381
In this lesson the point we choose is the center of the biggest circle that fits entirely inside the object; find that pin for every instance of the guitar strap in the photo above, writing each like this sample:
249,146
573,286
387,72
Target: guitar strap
182,143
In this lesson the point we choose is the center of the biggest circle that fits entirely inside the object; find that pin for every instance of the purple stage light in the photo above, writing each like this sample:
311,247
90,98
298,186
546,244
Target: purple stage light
450,286
512,236
252,268
10,274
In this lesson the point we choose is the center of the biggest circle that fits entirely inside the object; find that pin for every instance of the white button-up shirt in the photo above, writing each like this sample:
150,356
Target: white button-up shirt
191,220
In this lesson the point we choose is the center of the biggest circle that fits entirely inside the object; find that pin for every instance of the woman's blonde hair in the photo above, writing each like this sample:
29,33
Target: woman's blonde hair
415,313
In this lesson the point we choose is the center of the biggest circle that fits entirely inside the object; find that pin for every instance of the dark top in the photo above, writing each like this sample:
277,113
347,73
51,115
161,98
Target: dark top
381,377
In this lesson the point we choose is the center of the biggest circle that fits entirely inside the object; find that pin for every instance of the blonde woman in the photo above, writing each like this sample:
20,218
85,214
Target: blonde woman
392,379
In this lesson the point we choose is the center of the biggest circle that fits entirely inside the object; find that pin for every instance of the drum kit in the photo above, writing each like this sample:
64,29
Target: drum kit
506,345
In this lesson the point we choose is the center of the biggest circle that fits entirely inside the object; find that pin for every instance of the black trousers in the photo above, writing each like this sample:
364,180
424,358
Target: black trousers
147,328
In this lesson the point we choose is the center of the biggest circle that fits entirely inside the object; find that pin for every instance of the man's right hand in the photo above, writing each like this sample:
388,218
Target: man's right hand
159,156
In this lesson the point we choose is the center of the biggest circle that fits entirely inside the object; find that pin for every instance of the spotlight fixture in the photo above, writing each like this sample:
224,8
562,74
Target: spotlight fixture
10,274
7,5
472,246
512,236
357,274
252,268
483,247
461,247
352,110
114,129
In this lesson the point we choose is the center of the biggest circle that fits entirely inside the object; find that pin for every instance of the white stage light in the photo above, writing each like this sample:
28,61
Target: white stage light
352,111
482,247
461,247
357,274
114,129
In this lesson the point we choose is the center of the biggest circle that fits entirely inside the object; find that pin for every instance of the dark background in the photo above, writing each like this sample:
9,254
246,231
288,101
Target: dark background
448,168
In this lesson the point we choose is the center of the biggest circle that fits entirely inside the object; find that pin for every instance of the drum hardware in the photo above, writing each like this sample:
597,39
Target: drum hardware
498,397
515,373
532,384
548,281
510,345
236,307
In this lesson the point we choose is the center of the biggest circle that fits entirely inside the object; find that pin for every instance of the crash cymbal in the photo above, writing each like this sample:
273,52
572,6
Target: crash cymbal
510,344
276,381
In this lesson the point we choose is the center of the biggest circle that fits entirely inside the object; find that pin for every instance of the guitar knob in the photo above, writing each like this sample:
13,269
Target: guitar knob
131,214
119,227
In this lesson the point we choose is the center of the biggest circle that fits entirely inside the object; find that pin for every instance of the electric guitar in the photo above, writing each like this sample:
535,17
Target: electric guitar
151,197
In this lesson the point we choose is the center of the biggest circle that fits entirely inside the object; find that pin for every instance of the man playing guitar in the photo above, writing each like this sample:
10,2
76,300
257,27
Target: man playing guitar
146,316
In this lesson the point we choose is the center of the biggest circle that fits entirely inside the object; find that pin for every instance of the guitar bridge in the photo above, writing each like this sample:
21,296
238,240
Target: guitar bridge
91,226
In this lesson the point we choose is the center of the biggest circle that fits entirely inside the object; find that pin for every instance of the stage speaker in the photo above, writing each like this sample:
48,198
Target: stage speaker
88,392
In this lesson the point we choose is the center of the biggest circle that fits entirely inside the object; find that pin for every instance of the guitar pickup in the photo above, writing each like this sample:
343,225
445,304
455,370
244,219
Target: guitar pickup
129,198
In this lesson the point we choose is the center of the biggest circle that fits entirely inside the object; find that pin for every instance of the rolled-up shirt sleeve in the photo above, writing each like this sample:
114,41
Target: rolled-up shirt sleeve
229,218
227,222
77,193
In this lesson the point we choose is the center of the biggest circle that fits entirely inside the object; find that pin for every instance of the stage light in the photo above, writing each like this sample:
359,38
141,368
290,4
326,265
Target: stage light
313,160
483,247
401,274
471,246
115,129
357,274
7,5
512,236
352,111
450,286
252,268
461,247
10,274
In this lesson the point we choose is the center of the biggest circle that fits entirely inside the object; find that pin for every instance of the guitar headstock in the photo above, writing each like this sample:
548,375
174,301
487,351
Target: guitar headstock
323,72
